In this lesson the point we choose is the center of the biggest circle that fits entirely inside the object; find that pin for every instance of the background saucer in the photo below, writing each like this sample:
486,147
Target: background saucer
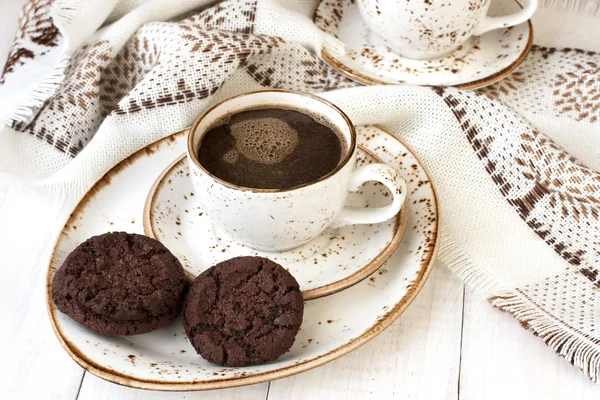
481,61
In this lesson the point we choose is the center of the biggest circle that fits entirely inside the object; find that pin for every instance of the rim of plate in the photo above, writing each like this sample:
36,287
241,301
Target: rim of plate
400,222
367,80
150,384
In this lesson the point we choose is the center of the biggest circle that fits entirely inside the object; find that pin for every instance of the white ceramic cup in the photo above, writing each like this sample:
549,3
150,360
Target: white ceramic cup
276,220
429,29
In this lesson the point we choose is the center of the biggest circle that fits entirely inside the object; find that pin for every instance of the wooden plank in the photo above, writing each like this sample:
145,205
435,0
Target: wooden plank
34,364
501,360
94,388
417,357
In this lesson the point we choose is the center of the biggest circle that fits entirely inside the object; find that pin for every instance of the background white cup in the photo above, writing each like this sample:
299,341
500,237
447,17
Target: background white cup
273,219
428,29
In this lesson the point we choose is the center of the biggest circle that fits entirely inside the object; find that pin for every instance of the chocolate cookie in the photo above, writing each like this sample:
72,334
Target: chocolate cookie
120,284
243,311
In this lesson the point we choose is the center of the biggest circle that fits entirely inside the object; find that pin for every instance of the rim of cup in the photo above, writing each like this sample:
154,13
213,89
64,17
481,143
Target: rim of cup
193,132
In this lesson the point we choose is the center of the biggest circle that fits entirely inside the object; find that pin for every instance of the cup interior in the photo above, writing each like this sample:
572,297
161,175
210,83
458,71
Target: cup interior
318,108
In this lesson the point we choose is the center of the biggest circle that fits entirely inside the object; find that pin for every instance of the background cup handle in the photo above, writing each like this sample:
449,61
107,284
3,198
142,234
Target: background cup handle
491,23
360,215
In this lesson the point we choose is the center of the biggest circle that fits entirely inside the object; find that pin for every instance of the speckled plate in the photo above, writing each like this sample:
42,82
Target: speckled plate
333,261
481,61
332,326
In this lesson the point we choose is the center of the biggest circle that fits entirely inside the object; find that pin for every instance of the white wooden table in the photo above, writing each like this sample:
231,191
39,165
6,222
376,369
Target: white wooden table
450,344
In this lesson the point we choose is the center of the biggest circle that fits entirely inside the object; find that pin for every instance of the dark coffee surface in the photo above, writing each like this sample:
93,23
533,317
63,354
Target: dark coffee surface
270,148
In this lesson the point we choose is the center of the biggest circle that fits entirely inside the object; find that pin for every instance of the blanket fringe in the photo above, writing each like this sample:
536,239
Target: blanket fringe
588,7
62,13
581,351
461,265
26,109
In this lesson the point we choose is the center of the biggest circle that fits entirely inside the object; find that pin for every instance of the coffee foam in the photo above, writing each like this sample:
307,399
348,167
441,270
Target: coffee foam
231,156
265,140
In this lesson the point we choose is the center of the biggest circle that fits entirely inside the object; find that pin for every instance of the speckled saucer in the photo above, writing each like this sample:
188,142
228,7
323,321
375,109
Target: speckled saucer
481,61
332,325
335,260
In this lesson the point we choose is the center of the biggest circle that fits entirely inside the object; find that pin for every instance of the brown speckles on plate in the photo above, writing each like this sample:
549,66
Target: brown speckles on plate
360,312
204,244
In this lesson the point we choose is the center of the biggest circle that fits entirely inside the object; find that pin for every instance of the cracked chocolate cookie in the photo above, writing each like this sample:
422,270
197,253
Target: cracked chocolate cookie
120,284
243,311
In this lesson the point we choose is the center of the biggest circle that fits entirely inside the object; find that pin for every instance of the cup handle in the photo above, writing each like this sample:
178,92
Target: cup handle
491,23
384,174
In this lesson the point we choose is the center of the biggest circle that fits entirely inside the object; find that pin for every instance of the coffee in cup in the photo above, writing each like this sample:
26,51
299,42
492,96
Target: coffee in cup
271,148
